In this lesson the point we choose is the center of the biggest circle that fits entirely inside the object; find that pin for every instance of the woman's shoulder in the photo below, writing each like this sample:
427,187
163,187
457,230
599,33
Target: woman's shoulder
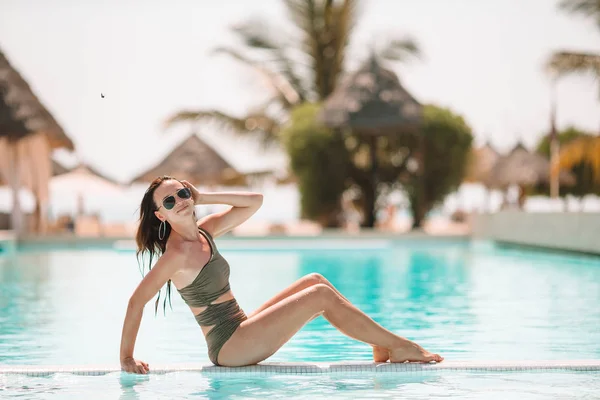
172,260
174,252
206,227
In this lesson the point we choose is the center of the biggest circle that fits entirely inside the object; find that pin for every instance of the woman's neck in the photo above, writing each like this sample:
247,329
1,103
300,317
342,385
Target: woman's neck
187,231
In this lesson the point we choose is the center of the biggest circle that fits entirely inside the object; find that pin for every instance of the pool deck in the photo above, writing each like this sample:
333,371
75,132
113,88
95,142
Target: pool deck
328,239
575,232
273,368
556,232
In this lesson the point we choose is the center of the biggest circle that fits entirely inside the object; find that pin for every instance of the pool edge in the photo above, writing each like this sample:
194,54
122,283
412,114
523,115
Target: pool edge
303,368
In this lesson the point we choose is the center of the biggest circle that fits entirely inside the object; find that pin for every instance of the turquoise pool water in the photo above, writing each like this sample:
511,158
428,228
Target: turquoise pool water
467,302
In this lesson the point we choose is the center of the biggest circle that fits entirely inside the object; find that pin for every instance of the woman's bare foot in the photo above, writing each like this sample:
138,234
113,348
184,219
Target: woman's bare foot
380,354
412,352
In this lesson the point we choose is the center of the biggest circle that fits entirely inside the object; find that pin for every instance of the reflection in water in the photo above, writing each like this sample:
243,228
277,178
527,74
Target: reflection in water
216,387
128,383
307,386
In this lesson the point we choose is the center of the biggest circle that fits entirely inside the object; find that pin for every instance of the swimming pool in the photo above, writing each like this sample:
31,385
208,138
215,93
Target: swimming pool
463,300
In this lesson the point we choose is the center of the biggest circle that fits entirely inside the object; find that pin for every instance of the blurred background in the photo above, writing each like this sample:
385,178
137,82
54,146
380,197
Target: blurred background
354,115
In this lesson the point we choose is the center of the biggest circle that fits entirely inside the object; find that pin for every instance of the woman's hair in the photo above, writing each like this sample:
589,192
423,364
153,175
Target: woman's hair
147,239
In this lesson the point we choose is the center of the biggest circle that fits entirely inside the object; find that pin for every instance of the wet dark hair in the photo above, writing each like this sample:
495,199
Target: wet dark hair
147,239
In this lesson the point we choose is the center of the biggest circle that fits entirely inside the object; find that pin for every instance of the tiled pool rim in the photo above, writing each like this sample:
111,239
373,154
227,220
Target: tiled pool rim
273,368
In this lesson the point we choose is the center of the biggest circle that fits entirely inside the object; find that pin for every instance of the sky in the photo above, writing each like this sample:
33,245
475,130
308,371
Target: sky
482,59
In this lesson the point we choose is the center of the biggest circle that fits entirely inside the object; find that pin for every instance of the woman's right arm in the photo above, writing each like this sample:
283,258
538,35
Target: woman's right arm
165,267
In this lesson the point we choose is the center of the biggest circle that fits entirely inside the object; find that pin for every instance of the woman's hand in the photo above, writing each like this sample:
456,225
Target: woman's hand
196,195
131,365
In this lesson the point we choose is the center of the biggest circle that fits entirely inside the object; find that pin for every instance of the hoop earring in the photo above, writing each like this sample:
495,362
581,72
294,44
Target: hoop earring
163,227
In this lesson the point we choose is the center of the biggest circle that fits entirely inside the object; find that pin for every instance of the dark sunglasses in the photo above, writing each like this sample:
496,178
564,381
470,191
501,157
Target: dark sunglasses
169,202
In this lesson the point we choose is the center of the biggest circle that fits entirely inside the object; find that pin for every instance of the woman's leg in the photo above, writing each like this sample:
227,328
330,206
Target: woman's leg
302,283
262,335
380,354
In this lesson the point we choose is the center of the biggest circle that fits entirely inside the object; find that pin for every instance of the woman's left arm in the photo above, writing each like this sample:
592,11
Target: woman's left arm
243,206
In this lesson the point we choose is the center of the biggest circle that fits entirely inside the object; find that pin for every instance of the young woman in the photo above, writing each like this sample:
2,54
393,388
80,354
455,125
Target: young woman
189,258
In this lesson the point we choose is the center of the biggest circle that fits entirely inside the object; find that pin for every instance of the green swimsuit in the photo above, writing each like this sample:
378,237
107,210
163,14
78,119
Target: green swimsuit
211,283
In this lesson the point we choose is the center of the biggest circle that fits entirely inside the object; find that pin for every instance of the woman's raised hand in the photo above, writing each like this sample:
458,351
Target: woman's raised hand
196,195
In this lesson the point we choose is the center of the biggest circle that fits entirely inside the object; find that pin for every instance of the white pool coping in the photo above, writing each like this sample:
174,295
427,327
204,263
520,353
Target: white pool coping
320,368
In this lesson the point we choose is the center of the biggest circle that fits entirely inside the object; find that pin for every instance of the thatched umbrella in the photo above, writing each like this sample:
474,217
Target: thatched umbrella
22,115
524,168
82,177
372,102
195,161
27,107
84,180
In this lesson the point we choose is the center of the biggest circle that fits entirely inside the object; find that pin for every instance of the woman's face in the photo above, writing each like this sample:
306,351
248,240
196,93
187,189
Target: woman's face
169,195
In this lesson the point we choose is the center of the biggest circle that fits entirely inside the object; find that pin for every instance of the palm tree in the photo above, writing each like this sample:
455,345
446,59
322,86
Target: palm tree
584,150
564,63
305,65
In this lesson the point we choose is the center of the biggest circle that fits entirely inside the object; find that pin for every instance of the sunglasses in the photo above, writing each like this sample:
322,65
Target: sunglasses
169,202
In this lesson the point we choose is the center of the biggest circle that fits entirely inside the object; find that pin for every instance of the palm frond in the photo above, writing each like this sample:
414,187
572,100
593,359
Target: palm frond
565,62
343,23
259,36
286,68
582,150
256,123
325,27
256,34
400,49
588,8
286,92
304,15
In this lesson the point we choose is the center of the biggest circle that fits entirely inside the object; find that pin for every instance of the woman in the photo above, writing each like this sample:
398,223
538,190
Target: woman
190,259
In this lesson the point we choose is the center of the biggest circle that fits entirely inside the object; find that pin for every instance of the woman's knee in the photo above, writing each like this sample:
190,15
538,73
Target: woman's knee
323,292
316,278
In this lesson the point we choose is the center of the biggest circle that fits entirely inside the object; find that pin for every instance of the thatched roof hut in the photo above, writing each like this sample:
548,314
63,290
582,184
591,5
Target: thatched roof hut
28,134
197,162
26,107
371,100
58,168
481,162
11,127
524,168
